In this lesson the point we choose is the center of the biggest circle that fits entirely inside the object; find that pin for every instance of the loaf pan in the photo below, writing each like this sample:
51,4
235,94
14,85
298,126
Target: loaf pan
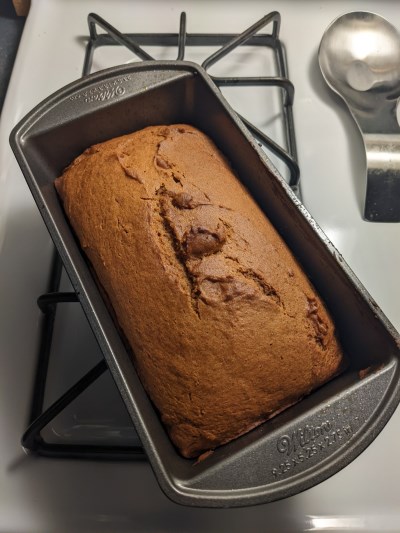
313,439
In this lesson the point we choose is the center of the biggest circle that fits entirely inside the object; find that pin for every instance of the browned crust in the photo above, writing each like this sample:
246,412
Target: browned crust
226,329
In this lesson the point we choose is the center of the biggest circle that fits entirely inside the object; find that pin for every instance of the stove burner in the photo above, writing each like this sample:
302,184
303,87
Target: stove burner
32,439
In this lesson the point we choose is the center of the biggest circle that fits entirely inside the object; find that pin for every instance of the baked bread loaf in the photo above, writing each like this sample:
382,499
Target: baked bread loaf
225,328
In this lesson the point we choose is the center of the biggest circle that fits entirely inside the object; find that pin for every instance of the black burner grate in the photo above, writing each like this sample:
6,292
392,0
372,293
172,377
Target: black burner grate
227,43
32,439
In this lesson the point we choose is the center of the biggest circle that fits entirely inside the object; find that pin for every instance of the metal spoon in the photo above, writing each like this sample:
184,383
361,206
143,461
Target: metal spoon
359,57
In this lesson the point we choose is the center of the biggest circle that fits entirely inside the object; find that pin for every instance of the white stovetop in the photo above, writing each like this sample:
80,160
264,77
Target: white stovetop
43,495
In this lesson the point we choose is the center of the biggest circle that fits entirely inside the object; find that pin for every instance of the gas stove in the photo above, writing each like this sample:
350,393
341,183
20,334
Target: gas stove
52,431
55,494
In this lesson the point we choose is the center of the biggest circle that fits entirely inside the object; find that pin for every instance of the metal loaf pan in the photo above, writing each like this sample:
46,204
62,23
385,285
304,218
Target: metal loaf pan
310,441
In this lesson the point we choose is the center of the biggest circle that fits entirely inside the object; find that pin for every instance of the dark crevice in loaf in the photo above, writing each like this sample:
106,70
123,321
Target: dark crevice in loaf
166,167
200,242
160,162
180,254
320,327
186,201
202,192
122,157
267,289
215,290
234,259
176,179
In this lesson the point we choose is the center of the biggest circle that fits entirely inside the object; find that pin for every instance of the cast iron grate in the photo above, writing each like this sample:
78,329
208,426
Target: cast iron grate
32,439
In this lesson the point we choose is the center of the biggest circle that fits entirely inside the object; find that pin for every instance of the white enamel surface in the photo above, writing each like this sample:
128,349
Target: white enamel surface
42,495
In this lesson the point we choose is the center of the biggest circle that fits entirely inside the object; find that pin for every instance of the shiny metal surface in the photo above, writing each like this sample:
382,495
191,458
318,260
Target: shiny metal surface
359,57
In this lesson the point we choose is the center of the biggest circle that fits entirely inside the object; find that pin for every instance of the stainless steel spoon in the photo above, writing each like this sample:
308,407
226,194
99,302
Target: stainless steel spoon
359,57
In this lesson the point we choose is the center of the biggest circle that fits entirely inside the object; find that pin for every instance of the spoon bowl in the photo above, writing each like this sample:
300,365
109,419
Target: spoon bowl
359,57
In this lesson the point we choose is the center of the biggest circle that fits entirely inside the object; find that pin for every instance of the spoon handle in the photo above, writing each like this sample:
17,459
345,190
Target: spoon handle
381,135
382,201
